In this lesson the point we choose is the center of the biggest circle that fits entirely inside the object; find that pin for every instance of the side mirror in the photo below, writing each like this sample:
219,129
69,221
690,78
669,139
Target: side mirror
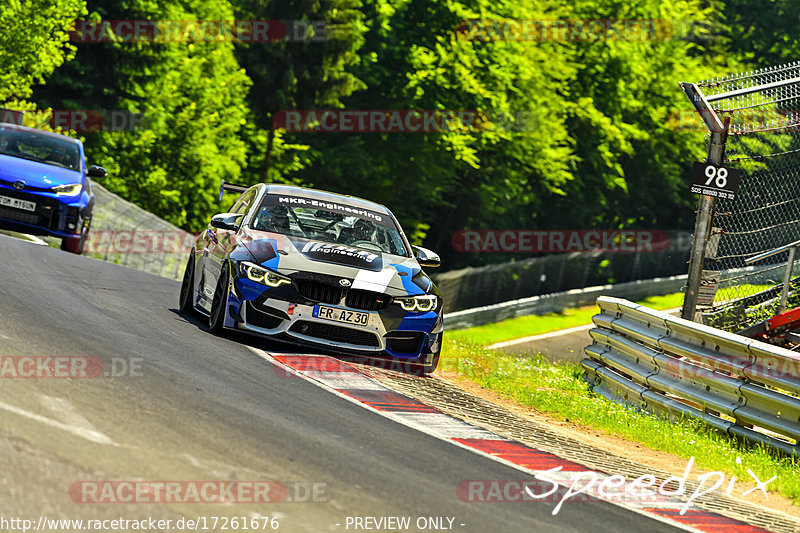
96,172
227,221
426,258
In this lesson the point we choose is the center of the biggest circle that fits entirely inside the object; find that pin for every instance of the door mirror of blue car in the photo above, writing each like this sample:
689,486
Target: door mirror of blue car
426,258
96,172
227,221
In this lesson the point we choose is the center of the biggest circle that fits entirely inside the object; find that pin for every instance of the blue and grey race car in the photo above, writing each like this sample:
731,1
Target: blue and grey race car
318,269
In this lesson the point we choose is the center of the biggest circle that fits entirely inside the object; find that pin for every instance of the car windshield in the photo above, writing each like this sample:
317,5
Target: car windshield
338,224
41,148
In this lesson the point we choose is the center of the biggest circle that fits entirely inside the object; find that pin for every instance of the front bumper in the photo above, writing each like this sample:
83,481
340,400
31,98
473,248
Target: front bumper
52,216
278,313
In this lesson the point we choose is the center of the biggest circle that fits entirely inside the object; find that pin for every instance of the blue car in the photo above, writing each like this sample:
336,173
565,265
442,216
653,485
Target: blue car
44,185
318,269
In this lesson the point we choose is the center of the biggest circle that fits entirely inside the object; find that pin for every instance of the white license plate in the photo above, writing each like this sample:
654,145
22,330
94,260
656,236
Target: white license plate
341,315
16,203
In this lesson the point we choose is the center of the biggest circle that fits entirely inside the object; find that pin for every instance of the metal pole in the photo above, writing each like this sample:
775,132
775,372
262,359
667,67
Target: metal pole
787,278
702,227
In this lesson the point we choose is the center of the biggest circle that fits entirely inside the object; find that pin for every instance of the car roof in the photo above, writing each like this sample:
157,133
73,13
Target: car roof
325,196
25,129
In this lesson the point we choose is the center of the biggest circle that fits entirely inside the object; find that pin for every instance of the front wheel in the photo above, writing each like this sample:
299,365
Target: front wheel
429,363
186,302
74,244
219,303
424,366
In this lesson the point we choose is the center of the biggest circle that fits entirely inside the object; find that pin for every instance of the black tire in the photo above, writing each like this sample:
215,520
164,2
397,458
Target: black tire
430,363
424,366
186,303
74,244
218,304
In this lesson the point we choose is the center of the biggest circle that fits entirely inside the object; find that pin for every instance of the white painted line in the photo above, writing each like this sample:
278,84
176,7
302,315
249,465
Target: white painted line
549,335
338,381
552,334
87,433
24,237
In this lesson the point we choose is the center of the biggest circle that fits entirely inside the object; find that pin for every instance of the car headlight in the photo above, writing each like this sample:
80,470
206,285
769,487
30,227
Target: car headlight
263,275
67,190
423,304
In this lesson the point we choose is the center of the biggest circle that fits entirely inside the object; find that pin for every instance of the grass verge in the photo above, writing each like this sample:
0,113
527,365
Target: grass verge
524,326
559,390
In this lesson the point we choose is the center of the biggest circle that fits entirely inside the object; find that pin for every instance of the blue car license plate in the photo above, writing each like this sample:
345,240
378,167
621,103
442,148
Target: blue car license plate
5,201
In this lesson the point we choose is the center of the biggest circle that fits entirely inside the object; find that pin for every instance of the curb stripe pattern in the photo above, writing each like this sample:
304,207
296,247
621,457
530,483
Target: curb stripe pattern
349,382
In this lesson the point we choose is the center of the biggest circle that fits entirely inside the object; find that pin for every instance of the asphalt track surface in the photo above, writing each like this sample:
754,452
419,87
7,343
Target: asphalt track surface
203,407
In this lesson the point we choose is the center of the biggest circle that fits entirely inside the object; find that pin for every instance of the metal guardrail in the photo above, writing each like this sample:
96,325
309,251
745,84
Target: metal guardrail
558,301
649,359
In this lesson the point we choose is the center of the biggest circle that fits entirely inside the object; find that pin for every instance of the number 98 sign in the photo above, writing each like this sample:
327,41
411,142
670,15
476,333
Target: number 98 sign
712,180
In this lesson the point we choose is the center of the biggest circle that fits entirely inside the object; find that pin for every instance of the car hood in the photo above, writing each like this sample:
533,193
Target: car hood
35,174
365,269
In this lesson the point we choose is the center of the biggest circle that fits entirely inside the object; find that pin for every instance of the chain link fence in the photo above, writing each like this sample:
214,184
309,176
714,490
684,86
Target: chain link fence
473,287
763,107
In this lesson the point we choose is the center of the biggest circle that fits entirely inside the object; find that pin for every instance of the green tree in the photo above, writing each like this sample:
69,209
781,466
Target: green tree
191,96
33,42
311,68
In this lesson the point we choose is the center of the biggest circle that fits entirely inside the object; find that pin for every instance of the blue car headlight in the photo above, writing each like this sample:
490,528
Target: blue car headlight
263,275
422,304
70,189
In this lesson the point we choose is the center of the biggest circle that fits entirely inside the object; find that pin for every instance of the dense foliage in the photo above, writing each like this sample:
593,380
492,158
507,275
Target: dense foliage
569,131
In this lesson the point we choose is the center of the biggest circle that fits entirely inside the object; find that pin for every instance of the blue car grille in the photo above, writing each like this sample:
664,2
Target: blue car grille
17,215
45,216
